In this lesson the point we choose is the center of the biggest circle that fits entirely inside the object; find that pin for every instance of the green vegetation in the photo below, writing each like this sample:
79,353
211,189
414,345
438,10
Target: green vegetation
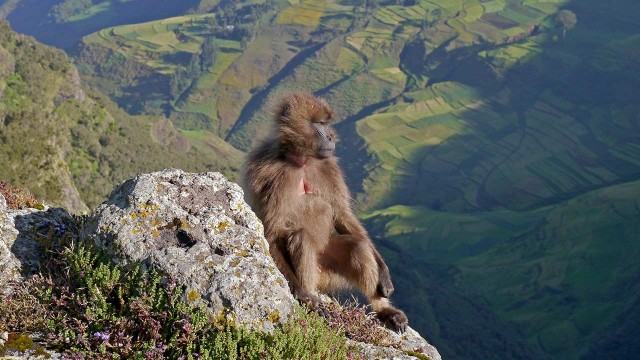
67,10
546,269
86,306
38,89
566,20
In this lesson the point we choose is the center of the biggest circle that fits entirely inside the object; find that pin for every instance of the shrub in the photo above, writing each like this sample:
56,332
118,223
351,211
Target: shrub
356,323
18,198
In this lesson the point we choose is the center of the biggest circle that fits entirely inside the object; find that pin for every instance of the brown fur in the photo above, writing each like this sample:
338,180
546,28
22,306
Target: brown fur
313,235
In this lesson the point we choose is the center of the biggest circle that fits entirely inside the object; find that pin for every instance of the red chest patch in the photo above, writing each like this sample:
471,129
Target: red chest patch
304,187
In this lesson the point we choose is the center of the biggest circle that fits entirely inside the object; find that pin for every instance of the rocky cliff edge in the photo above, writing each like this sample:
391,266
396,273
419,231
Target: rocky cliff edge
194,228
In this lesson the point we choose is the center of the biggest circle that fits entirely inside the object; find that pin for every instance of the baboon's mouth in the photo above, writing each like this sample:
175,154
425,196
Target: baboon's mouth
325,153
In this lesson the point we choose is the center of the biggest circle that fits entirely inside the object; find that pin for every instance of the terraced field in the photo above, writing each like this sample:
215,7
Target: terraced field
498,158
156,43
306,13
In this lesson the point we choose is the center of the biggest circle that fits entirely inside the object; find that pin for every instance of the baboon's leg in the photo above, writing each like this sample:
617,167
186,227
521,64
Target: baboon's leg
351,258
389,315
304,260
355,259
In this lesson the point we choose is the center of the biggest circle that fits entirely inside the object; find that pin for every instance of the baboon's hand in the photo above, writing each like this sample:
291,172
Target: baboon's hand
385,286
394,318
312,301
399,322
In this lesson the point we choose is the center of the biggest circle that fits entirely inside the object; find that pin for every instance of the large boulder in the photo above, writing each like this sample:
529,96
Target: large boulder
197,229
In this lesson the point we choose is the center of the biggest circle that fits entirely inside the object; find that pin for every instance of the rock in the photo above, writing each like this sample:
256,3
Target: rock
32,349
410,344
24,237
412,341
197,229
71,88
194,227
368,351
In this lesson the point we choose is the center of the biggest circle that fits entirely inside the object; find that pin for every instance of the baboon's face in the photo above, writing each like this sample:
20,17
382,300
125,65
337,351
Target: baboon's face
304,127
325,138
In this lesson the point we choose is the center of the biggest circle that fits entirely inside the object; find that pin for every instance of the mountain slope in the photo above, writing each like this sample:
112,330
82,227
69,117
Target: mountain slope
41,101
492,105
69,147
564,275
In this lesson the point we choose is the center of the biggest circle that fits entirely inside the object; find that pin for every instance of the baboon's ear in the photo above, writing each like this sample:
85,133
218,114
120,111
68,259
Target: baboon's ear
283,110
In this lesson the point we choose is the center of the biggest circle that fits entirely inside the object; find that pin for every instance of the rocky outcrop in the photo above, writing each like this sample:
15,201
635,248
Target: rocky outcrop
198,229
72,88
195,228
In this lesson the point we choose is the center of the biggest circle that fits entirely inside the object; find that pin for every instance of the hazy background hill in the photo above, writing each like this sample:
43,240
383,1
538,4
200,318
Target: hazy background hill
494,146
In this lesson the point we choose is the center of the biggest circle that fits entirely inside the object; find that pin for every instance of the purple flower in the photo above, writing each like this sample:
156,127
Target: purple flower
60,229
101,336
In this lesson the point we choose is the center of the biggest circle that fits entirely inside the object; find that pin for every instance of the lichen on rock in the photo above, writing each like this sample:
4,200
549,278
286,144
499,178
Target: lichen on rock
197,229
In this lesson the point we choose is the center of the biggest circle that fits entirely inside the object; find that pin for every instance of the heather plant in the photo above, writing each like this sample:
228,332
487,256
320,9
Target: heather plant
356,323
18,198
87,306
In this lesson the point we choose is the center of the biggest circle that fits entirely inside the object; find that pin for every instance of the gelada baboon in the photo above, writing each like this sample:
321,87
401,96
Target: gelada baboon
297,189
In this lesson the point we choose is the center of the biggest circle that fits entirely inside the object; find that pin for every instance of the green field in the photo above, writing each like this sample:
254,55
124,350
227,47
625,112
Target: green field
306,13
153,42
